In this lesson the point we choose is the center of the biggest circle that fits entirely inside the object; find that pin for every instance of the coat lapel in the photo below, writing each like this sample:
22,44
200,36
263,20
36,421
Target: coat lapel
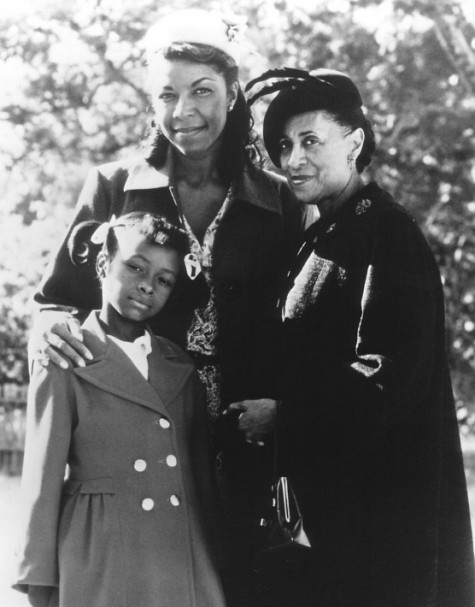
169,369
112,371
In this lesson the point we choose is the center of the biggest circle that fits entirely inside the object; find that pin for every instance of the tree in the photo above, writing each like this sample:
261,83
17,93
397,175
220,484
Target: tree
80,99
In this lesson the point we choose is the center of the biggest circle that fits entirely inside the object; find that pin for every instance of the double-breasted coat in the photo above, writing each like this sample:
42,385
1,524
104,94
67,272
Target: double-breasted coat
368,416
250,244
132,524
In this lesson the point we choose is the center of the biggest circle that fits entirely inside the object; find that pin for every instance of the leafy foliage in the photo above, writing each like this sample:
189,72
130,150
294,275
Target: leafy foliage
78,97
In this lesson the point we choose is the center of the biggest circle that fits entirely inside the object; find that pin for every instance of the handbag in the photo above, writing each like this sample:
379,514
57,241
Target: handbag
285,544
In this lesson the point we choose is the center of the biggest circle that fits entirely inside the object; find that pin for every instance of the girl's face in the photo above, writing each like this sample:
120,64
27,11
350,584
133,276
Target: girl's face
191,102
136,281
314,152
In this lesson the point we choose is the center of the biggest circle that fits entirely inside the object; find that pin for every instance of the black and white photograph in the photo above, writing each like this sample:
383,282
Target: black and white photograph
237,303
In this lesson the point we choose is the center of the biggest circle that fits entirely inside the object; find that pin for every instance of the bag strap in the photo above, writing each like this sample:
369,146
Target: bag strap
279,444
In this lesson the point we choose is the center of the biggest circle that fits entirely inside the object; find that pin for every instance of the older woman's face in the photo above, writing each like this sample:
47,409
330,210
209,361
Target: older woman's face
314,153
191,102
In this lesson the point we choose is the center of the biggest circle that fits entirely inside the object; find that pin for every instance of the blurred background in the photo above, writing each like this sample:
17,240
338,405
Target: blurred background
74,94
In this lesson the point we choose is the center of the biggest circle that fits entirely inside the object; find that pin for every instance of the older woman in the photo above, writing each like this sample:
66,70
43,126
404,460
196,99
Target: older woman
199,175
368,416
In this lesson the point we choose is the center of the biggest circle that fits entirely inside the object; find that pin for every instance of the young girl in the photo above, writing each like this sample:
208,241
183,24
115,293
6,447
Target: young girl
131,526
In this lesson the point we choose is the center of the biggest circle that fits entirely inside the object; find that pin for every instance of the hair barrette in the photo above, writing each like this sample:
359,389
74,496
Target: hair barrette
100,235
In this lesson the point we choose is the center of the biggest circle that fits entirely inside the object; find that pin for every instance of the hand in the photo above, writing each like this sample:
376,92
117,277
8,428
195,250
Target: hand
57,337
256,418
39,596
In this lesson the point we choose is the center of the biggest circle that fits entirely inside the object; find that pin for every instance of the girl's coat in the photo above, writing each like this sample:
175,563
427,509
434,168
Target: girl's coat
130,527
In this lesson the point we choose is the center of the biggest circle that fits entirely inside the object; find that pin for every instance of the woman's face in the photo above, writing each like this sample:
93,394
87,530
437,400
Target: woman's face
191,102
314,153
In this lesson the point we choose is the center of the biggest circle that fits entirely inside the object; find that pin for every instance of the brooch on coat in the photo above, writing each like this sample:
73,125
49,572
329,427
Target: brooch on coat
192,265
363,206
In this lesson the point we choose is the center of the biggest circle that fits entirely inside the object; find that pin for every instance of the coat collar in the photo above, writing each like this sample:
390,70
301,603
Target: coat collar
112,371
253,186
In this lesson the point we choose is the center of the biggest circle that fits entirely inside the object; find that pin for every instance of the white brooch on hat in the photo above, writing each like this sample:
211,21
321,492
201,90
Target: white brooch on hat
236,24
197,26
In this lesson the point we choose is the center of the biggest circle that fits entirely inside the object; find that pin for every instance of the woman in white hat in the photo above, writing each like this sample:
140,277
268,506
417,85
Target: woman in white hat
198,173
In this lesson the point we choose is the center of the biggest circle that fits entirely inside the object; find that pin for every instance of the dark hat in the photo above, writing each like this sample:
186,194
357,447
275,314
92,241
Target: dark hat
302,92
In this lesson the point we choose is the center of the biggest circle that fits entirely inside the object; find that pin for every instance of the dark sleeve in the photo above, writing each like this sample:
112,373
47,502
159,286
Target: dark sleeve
398,335
65,284
395,344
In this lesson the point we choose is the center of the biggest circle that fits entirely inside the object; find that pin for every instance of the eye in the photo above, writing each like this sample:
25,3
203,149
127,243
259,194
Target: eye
134,267
165,282
202,90
284,144
165,96
310,141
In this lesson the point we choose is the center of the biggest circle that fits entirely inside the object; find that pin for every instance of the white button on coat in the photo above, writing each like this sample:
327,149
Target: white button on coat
171,461
140,465
148,503
175,500
164,423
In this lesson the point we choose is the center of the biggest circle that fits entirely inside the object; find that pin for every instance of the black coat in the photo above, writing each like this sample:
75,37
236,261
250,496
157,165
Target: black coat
369,418
248,254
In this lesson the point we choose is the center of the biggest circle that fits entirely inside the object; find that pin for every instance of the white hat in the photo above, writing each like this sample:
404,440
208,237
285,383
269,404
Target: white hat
197,26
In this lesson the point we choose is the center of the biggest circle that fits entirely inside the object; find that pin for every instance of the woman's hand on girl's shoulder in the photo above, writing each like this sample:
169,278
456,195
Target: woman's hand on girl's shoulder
56,336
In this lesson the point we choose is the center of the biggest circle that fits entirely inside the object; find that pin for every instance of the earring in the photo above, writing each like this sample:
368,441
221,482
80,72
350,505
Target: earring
350,160
230,107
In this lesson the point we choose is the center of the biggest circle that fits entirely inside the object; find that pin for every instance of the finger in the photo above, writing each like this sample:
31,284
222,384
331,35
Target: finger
61,352
246,424
50,354
81,351
239,406
75,328
70,348
64,333
258,443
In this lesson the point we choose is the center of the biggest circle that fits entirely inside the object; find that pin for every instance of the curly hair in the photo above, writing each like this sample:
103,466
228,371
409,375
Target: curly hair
84,247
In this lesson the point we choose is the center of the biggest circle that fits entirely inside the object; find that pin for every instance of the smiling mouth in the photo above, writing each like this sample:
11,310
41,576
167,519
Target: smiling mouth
191,130
300,179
